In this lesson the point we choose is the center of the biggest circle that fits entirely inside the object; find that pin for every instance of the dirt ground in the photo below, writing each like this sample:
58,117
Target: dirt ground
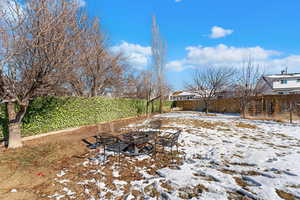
30,169
219,157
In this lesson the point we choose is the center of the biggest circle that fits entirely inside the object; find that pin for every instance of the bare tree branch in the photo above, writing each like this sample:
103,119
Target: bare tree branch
247,83
209,81
159,60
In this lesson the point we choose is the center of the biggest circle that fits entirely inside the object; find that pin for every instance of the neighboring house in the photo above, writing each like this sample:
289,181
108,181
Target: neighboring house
183,95
228,92
187,95
281,84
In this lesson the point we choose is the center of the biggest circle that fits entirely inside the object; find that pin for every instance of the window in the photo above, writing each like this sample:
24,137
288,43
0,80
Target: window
298,80
283,81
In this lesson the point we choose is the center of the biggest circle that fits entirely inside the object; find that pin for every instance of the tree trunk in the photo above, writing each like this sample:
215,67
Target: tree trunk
147,109
93,88
243,112
148,102
160,105
14,140
152,107
206,107
14,127
243,107
93,91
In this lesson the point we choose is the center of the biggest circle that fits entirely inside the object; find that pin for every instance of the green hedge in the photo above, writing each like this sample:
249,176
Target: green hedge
47,114
3,122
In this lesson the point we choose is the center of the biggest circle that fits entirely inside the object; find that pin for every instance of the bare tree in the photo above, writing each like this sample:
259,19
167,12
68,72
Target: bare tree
209,81
159,61
247,85
141,84
37,55
11,17
97,71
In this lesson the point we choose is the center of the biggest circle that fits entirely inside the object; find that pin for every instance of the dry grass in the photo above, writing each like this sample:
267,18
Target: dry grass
251,173
285,195
294,186
237,155
241,164
236,196
201,188
192,192
167,186
203,124
244,125
127,171
240,182
228,171
224,129
278,119
210,115
30,169
165,124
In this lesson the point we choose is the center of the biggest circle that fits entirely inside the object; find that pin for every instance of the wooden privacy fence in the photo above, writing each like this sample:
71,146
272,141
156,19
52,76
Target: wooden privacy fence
230,105
281,107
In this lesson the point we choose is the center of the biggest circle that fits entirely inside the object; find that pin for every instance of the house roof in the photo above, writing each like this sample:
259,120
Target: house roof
276,76
176,93
296,89
183,93
270,79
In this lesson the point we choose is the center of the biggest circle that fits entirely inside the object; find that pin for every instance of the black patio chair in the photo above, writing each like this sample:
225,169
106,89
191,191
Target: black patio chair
168,140
89,144
107,140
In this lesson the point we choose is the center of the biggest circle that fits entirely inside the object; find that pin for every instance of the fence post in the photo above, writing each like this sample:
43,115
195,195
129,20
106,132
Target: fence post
291,112
276,108
253,107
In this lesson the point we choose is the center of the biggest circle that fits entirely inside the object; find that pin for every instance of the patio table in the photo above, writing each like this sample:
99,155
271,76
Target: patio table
138,139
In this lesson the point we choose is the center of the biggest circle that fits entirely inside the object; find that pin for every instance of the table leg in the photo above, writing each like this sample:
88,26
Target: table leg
119,151
136,150
154,150
104,152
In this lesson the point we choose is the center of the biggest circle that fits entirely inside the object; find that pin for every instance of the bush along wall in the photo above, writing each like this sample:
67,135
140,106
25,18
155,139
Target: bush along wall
47,114
3,122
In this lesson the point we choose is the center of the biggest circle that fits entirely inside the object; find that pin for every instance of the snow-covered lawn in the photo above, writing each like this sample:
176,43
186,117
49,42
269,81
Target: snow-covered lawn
221,157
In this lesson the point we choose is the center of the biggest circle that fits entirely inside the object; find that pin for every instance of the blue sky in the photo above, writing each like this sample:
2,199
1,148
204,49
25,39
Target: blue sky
203,33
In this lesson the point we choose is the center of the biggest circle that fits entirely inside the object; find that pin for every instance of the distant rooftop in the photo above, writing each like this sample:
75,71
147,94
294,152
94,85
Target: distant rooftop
292,75
183,93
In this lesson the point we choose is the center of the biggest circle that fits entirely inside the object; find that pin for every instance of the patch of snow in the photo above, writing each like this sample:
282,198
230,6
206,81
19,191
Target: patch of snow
68,191
218,157
61,174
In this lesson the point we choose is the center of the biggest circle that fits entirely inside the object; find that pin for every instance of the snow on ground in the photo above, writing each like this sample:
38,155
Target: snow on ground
221,157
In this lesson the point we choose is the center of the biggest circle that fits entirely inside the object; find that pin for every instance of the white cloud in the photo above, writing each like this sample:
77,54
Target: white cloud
80,3
222,55
10,10
177,1
219,32
205,56
138,56
176,65
292,62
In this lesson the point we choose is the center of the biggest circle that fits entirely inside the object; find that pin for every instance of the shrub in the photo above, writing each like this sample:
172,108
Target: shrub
47,114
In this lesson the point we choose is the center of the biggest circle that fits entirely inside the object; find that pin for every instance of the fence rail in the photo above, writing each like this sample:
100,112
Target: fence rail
279,107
